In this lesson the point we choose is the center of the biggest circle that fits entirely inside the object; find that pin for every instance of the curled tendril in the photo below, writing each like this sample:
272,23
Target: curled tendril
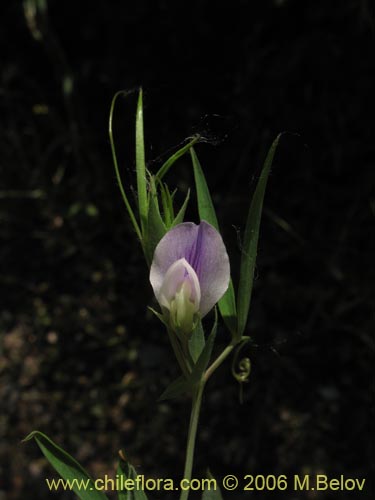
241,368
243,372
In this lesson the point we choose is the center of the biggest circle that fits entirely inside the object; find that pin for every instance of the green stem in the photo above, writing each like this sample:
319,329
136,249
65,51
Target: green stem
194,417
215,365
193,426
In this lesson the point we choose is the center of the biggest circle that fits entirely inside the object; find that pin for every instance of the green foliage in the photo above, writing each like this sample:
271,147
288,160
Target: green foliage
176,388
172,159
115,163
68,468
156,227
250,243
196,342
127,472
205,356
151,191
141,165
193,355
181,213
212,494
167,202
201,352
206,209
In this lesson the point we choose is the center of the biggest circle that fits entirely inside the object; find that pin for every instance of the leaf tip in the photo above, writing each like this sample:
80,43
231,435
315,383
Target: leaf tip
30,436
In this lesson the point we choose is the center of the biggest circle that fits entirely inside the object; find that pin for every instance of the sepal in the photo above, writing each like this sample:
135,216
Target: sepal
177,388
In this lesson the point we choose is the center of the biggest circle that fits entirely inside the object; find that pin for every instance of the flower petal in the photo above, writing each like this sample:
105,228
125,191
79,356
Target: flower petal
210,261
178,273
204,249
172,247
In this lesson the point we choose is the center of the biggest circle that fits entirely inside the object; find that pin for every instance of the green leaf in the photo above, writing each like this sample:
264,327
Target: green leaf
175,389
169,214
196,342
181,214
227,308
155,226
68,468
126,476
227,304
212,494
123,471
205,205
115,163
205,356
168,164
167,202
140,163
250,243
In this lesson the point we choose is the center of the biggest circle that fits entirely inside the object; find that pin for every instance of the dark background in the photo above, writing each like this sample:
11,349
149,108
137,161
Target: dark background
81,357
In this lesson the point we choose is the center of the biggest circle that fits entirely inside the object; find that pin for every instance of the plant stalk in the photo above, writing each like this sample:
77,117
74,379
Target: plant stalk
194,417
193,426
215,365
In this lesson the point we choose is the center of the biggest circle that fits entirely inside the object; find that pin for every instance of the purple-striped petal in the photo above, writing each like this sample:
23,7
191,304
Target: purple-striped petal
203,248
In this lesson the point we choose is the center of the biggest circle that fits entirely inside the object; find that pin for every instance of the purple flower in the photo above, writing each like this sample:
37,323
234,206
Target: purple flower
189,273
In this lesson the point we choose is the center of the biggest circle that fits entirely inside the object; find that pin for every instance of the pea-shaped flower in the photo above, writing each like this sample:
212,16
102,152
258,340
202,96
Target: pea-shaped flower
189,273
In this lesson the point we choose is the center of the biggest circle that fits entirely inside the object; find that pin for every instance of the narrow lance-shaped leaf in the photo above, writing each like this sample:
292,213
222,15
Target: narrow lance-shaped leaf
214,493
250,243
168,164
127,478
115,163
227,304
156,228
176,388
196,342
181,213
212,490
141,164
205,356
167,204
170,203
68,468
